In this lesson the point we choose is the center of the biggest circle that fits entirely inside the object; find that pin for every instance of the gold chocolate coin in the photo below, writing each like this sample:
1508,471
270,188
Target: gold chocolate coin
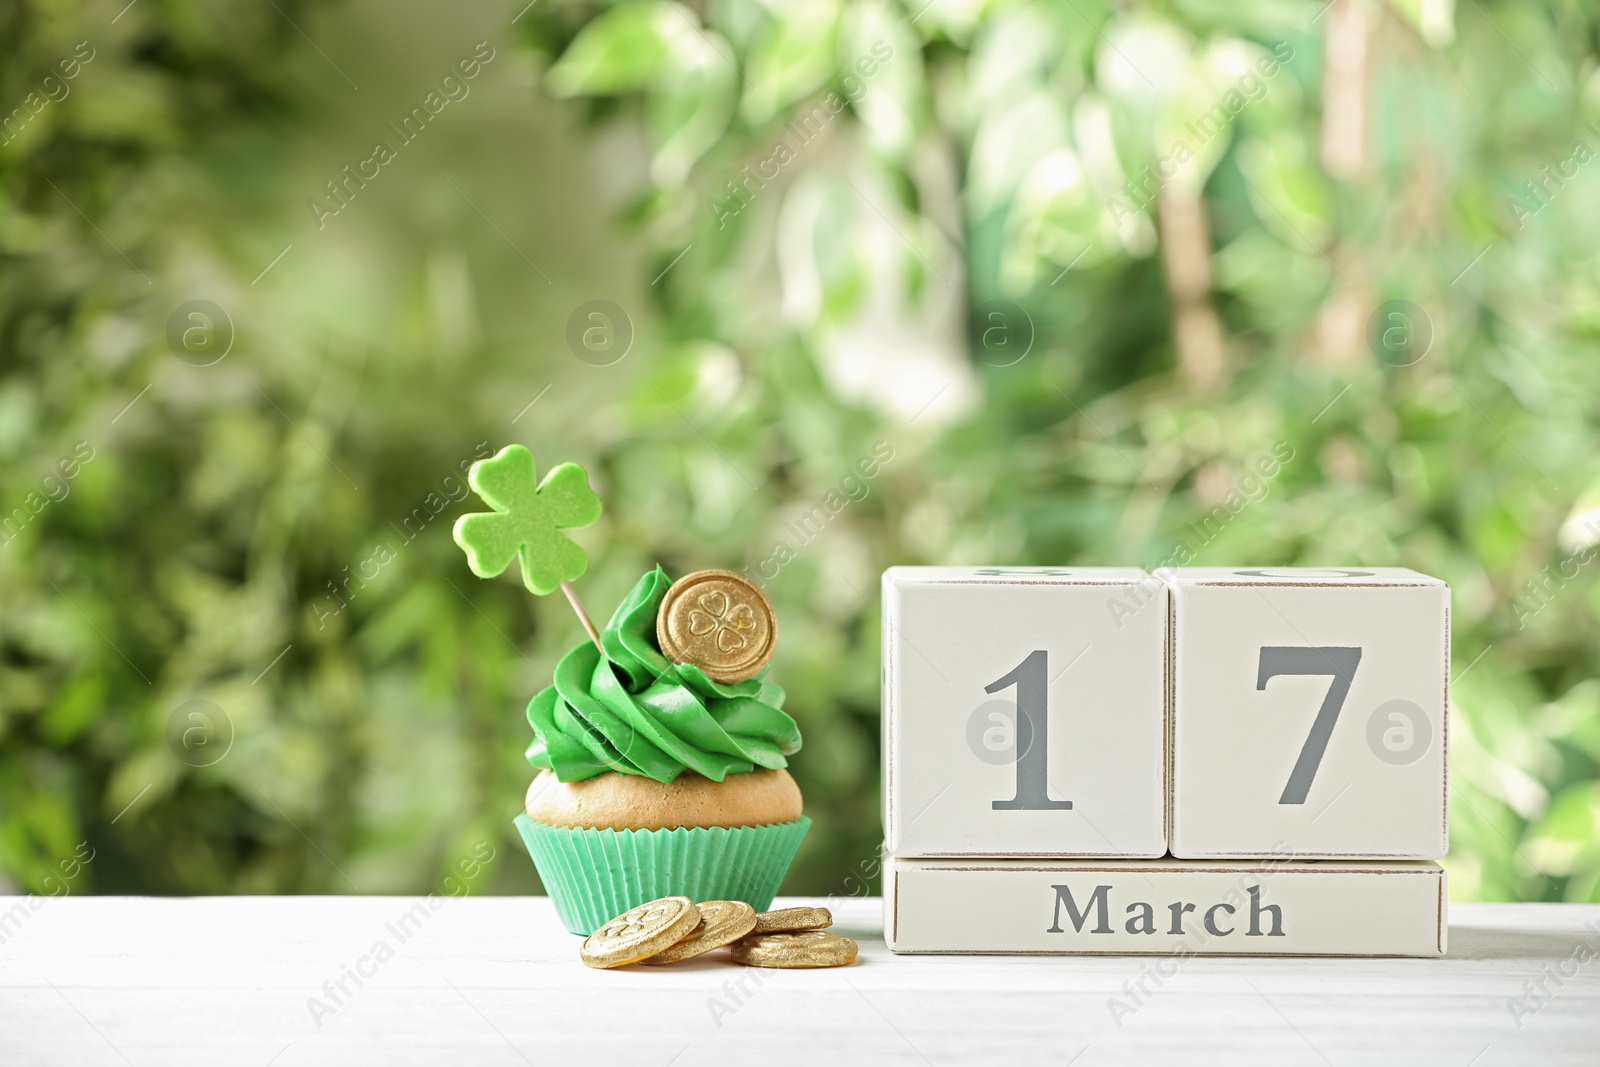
721,922
789,919
640,932
809,948
721,622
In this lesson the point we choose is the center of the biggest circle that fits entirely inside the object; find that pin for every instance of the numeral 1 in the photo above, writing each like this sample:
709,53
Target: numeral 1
1032,741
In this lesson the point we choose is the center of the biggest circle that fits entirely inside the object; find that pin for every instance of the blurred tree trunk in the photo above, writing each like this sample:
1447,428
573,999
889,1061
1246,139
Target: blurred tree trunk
1186,261
1347,52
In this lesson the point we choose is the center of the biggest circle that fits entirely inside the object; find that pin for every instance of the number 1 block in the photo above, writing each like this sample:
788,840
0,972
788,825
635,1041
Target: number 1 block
1024,712
1308,713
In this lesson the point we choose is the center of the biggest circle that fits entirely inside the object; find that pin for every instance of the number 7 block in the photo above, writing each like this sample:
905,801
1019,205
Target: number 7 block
1308,713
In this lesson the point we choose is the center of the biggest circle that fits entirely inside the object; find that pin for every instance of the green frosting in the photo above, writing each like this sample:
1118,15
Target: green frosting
634,711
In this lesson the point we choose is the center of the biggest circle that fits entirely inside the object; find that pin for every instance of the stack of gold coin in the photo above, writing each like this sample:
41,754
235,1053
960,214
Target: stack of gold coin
673,929
794,937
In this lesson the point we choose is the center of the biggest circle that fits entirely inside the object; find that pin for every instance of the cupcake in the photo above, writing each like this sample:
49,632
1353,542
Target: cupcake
661,750
655,778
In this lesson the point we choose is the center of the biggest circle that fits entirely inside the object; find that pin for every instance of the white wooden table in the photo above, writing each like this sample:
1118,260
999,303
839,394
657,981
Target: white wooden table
224,981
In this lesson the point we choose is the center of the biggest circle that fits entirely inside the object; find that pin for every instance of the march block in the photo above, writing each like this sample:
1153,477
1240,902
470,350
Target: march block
1308,713
1024,712
1172,908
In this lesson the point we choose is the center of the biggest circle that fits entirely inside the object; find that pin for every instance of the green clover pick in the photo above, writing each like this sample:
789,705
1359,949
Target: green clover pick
527,523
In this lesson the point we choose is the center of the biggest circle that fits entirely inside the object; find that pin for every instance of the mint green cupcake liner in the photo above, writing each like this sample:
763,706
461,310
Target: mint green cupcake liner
593,876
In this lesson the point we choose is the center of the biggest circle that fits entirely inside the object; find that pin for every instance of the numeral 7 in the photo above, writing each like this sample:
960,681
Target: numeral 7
1340,665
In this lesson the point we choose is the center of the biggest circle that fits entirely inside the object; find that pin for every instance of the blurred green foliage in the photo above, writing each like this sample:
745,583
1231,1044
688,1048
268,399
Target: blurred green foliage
834,232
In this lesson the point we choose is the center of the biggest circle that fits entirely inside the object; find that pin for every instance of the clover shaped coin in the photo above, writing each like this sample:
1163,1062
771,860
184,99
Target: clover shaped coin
528,519
721,622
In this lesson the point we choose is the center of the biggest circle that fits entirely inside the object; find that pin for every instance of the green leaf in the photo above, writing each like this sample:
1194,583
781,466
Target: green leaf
1564,840
624,50
793,59
1056,219
1290,195
880,65
1434,20
692,108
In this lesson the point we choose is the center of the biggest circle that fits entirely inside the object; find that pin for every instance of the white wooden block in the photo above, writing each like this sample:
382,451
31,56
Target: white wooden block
1173,908
1064,666
1308,712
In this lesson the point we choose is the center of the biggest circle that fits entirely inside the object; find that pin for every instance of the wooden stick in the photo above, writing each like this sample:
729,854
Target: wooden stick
583,616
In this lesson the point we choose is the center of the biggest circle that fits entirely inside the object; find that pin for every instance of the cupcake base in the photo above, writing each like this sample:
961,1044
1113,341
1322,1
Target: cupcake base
593,875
